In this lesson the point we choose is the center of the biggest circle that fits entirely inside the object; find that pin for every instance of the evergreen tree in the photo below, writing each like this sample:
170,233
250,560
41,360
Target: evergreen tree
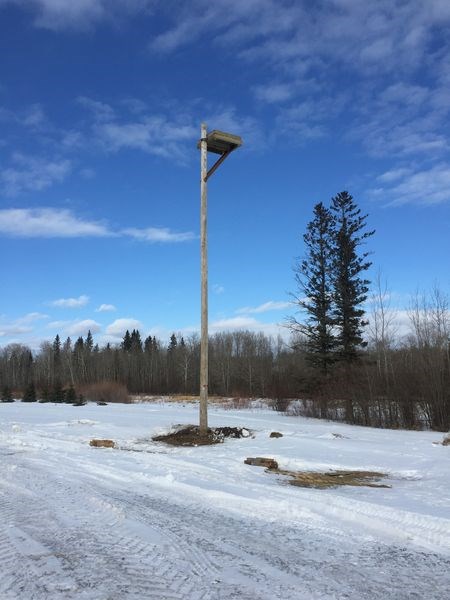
44,395
89,342
126,342
7,394
173,343
314,277
56,347
29,394
171,371
135,341
58,393
79,346
350,288
148,344
71,396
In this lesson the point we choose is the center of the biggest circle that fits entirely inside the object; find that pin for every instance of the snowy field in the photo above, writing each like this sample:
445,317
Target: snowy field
152,522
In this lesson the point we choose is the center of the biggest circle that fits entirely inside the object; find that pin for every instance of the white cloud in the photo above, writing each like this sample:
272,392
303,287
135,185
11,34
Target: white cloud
106,308
48,223
30,174
425,187
218,289
62,223
118,327
247,324
304,44
154,134
75,327
34,116
266,307
6,330
393,175
275,92
162,234
71,302
32,317
101,110
58,324
82,15
21,325
82,327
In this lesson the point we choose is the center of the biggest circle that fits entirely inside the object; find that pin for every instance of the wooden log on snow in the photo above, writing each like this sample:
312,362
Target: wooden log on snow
260,461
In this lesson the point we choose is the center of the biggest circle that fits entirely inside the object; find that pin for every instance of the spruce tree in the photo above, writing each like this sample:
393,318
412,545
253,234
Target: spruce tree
56,357
44,395
29,394
89,343
58,393
71,395
314,277
126,342
350,287
135,341
7,394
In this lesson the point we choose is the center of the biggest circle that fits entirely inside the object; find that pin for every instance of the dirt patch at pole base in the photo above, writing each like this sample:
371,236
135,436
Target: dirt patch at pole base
191,435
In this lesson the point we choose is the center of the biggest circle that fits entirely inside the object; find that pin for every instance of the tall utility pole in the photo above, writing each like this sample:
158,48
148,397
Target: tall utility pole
223,144
204,284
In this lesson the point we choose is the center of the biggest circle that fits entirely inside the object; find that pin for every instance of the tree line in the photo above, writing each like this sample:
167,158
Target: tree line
344,362
242,363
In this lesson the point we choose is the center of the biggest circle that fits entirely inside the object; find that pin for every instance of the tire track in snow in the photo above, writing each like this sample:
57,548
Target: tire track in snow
111,543
429,532
27,568
280,558
82,535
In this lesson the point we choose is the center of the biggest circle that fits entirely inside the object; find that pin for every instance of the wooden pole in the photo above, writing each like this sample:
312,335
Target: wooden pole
204,283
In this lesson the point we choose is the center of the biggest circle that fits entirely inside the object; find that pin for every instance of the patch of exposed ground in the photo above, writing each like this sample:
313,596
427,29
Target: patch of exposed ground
314,479
332,479
190,435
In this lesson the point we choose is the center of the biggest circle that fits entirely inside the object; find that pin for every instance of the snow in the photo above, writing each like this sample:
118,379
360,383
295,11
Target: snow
150,521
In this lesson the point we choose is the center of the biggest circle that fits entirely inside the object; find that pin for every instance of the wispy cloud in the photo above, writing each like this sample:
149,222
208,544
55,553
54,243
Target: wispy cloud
34,116
167,133
48,223
21,325
59,15
14,329
263,308
31,174
218,289
31,318
154,134
274,92
63,223
100,110
75,327
378,45
82,300
161,234
409,186
106,308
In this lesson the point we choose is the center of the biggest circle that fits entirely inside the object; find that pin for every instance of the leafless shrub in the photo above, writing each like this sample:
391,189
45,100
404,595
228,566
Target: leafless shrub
280,404
107,391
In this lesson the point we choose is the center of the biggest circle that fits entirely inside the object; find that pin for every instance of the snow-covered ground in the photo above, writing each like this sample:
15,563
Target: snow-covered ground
152,522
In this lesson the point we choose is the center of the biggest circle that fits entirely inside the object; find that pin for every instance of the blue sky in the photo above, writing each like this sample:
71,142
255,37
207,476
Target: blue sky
100,109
